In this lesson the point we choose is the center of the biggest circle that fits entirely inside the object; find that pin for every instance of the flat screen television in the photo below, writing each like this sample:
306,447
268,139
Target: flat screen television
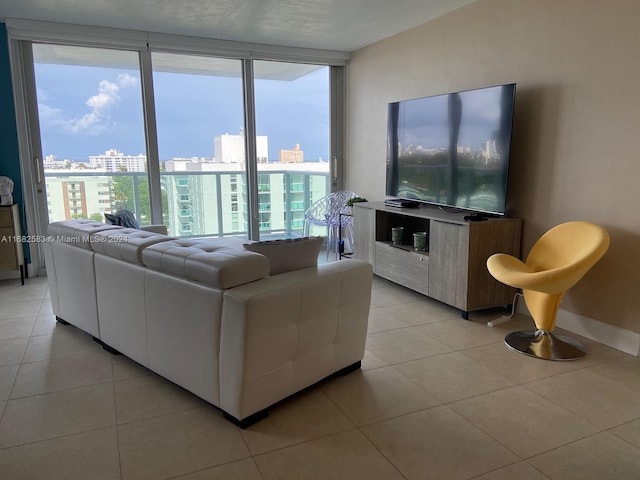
452,150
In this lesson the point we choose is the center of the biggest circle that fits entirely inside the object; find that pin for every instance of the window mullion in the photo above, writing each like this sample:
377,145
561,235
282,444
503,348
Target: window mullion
28,126
337,122
250,149
151,137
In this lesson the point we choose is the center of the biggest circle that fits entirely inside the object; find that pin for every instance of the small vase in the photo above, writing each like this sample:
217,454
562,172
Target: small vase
420,241
396,235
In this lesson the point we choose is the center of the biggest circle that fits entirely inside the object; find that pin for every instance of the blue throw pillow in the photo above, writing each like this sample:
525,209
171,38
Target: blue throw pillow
127,219
111,219
122,218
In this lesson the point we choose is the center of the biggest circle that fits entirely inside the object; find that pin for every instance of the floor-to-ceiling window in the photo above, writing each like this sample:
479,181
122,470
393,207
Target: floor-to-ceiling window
201,145
203,136
293,142
92,138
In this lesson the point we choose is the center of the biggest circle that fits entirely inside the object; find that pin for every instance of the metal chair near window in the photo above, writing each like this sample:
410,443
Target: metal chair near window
325,212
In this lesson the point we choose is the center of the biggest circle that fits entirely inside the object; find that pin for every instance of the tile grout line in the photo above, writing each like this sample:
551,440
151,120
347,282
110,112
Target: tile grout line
115,415
355,427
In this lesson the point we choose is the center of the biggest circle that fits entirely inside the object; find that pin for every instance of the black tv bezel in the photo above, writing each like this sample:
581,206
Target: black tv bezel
453,208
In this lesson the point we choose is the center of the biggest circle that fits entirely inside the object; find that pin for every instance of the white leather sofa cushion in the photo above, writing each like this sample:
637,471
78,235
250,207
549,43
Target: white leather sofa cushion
161,229
286,255
70,271
296,328
183,332
206,261
77,232
121,306
125,243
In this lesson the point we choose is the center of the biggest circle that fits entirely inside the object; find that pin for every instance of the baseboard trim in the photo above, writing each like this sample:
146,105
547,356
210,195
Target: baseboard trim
10,275
610,335
605,333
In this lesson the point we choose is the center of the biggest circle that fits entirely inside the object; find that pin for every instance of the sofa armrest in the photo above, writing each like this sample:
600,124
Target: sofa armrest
283,333
161,229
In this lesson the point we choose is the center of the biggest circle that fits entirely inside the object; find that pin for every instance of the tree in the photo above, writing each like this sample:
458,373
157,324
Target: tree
124,196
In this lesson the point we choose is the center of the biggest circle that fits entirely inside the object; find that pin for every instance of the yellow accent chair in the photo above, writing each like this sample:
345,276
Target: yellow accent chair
556,262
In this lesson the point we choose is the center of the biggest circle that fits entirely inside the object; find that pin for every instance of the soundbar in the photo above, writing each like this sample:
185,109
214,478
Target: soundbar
401,203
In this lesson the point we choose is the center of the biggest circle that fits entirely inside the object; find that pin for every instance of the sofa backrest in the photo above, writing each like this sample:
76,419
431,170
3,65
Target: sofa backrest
220,262
125,244
206,261
76,232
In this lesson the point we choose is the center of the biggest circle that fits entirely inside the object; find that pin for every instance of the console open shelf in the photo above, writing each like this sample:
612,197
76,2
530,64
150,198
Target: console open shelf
407,248
453,268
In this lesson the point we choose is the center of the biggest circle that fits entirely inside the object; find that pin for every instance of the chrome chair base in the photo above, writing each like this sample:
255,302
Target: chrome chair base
545,345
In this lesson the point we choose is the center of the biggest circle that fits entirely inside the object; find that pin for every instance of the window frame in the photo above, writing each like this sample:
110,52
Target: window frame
23,33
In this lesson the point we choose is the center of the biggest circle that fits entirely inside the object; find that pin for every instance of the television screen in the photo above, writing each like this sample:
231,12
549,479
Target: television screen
453,149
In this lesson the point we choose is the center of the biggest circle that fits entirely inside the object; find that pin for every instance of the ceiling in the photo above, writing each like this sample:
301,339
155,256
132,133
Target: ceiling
343,25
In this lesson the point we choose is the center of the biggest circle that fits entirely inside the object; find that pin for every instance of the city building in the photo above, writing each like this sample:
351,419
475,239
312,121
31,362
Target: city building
295,155
203,197
51,162
230,148
115,161
210,199
71,197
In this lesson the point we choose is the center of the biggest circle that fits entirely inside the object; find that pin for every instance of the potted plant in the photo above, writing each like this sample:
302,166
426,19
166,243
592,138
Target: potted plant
349,203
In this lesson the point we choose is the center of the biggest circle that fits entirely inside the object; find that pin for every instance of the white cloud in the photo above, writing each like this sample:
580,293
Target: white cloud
50,115
126,80
92,123
106,97
98,119
42,94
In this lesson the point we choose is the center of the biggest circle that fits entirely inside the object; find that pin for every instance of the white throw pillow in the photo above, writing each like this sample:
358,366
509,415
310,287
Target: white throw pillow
289,254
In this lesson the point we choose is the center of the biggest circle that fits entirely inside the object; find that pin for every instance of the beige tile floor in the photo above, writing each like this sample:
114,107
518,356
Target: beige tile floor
437,398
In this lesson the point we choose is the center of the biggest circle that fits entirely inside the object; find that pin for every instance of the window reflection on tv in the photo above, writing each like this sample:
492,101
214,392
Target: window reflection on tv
453,149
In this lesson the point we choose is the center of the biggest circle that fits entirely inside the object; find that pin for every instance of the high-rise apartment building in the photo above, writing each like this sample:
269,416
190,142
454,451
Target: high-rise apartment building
115,161
210,198
230,148
71,197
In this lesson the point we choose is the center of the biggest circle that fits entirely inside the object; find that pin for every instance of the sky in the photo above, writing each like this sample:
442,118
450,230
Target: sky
87,110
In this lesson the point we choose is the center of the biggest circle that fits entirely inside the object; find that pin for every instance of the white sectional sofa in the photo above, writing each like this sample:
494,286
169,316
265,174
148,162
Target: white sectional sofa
206,315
